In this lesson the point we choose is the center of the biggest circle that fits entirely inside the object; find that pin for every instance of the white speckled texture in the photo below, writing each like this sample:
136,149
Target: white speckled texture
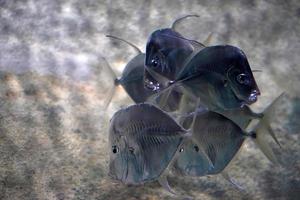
53,130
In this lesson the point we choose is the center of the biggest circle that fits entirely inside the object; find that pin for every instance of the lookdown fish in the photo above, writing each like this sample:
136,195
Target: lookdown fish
221,139
220,76
132,80
143,140
166,51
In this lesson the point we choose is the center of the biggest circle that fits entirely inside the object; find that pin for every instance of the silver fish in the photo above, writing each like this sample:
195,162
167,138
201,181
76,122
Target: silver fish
166,50
220,138
220,76
143,140
132,78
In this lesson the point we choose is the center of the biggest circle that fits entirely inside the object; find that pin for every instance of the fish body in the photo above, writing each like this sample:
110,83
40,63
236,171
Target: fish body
226,71
166,51
219,138
214,136
143,140
132,80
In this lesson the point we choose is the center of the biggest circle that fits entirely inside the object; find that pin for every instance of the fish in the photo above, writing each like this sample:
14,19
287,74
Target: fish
143,141
132,78
221,139
220,76
166,50
218,136
146,141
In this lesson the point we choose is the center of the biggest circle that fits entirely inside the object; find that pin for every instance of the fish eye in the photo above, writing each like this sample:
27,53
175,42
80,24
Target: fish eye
196,148
225,81
131,149
115,149
155,62
243,79
181,150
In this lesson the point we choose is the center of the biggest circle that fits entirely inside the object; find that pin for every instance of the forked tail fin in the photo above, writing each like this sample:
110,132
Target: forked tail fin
263,128
113,76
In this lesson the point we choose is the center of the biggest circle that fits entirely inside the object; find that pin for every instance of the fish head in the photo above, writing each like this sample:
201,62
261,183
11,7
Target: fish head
241,79
125,157
166,49
117,162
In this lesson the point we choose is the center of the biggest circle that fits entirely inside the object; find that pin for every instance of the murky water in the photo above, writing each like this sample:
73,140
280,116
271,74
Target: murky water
53,129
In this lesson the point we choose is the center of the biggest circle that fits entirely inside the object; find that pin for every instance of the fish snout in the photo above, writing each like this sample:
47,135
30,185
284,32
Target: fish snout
253,96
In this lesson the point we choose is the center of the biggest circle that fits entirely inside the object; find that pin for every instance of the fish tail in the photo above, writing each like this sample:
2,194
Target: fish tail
116,82
109,98
263,128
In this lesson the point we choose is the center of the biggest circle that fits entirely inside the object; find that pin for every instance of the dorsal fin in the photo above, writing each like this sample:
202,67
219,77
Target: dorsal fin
173,26
129,43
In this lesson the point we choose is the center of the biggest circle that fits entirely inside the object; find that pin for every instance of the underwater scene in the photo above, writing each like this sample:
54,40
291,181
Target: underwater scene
149,99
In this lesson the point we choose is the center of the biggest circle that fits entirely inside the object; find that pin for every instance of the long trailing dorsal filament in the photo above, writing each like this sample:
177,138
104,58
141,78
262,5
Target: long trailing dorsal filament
173,26
129,43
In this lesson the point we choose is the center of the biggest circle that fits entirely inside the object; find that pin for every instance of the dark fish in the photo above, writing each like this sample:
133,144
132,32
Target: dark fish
227,70
132,80
220,138
220,76
143,140
166,51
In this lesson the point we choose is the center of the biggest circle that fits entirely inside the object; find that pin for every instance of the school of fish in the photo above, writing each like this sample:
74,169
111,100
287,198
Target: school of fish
192,112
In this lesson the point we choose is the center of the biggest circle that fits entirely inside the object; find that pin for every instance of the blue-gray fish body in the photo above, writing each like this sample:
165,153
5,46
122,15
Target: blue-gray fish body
143,140
132,80
226,71
216,136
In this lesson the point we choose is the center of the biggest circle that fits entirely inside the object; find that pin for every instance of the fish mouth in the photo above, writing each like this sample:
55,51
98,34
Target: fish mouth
247,100
154,80
252,98
150,85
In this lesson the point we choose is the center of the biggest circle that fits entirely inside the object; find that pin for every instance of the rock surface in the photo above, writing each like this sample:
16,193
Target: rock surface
53,83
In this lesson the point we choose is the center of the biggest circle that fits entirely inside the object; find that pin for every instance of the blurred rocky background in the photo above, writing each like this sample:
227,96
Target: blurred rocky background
53,128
